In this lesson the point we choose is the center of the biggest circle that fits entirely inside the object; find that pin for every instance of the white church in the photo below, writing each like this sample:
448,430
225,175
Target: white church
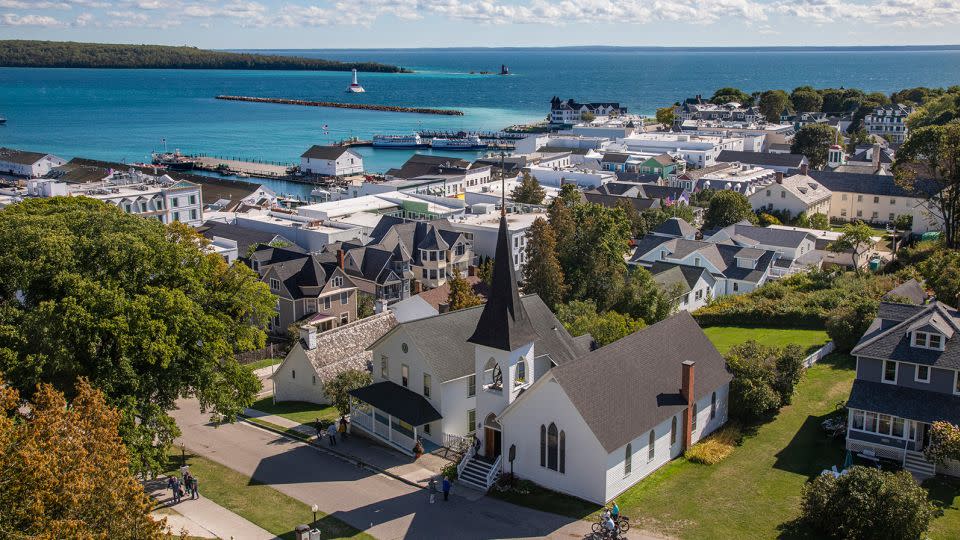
541,403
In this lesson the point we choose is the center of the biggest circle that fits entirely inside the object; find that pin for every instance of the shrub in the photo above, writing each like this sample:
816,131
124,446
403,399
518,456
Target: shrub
867,504
847,322
763,378
944,442
450,471
716,447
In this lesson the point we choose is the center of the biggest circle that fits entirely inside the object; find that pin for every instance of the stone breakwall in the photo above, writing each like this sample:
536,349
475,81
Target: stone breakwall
362,106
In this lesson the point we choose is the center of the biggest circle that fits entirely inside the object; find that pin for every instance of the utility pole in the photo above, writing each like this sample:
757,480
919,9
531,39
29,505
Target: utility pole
503,185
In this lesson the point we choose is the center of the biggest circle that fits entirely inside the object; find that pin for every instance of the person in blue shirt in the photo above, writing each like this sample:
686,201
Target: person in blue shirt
615,511
446,488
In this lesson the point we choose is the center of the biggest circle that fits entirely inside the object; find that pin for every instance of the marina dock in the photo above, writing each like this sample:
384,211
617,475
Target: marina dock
258,169
339,105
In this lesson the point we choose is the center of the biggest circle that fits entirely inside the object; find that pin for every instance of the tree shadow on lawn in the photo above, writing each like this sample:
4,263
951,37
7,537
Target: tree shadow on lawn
944,492
811,450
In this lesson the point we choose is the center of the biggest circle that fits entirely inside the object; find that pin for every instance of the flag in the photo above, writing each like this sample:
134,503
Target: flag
668,201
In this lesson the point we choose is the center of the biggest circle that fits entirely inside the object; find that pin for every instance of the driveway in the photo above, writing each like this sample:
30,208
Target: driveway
380,505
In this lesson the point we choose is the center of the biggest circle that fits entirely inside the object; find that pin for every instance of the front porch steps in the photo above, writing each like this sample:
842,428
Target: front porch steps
917,464
475,474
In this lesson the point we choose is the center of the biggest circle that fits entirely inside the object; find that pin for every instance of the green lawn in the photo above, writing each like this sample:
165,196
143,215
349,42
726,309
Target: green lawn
946,495
298,411
724,337
266,362
259,503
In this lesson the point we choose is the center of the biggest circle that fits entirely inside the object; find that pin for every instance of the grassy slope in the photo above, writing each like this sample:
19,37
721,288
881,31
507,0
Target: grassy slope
259,503
298,411
266,362
724,337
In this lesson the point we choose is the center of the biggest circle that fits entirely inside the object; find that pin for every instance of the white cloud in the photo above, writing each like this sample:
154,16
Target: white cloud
21,4
82,20
12,19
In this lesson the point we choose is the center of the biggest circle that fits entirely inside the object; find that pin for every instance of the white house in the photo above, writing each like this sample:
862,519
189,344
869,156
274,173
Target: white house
889,121
331,161
29,164
538,401
318,357
794,194
692,287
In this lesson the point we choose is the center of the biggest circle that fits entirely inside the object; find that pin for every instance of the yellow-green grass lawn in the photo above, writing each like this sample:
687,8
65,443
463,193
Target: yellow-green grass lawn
298,411
259,503
724,337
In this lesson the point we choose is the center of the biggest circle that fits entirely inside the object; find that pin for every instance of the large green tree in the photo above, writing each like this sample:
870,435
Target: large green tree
857,238
542,273
528,191
933,153
643,299
135,306
773,103
813,141
461,293
726,208
806,99
728,94
581,317
338,388
666,116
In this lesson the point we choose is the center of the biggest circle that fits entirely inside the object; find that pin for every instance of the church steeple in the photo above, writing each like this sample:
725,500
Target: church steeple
504,324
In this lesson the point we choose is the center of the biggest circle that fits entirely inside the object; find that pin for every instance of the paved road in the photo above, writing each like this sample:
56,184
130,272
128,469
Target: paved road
382,506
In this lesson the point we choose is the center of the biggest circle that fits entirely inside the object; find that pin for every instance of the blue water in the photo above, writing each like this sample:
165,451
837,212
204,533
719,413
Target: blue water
124,114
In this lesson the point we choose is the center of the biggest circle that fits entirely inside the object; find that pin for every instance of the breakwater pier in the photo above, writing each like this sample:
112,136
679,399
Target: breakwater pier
339,105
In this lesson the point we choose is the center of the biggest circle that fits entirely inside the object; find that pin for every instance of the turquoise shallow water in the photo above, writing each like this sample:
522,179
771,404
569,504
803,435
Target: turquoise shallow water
123,114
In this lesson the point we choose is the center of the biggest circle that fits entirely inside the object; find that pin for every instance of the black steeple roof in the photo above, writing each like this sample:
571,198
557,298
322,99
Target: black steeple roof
504,323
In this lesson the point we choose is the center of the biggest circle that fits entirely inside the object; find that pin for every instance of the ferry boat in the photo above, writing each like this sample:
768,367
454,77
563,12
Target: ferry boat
398,141
471,142
173,160
3,120
355,86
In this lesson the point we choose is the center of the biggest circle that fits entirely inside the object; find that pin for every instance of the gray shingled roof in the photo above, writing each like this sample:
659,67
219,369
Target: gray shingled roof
443,339
667,275
888,338
325,152
644,371
244,236
21,157
400,402
792,161
904,402
872,184
722,256
772,237
911,290
676,227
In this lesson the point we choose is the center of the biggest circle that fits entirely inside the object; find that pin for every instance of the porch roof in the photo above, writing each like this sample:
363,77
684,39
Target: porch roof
398,402
909,403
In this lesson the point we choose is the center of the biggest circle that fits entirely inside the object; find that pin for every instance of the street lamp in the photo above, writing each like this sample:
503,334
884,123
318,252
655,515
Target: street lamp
315,509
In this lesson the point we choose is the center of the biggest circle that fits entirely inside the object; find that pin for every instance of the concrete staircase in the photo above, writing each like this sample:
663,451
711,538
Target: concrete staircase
475,474
917,464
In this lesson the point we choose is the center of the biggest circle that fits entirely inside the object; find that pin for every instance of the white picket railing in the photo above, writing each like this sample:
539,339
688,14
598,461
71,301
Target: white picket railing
466,459
494,471
819,354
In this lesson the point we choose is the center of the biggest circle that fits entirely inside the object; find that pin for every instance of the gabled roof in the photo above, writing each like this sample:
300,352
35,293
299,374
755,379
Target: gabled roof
873,184
345,347
792,161
443,340
669,275
20,157
677,228
244,236
422,165
626,388
504,323
722,256
912,290
888,337
304,275
325,152
615,157
745,233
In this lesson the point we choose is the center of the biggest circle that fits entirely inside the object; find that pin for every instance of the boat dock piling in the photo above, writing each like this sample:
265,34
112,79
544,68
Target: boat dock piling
259,169
338,105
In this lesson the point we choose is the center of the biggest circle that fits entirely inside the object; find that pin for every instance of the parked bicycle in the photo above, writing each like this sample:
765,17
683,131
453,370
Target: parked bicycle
621,524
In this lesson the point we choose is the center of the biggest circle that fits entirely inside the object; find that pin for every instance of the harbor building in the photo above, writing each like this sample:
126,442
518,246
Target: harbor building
27,164
331,161
572,112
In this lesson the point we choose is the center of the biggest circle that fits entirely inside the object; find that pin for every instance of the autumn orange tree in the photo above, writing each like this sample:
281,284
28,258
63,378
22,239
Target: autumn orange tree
64,471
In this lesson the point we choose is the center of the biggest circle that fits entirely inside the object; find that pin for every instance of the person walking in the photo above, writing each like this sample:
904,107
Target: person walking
446,488
332,434
342,428
319,427
171,485
194,488
432,486
177,491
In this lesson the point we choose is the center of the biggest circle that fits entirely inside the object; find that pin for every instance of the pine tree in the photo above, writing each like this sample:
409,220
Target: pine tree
461,293
542,273
529,191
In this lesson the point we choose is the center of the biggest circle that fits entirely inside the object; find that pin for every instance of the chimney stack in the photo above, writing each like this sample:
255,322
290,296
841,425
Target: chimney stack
340,257
308,336
779,176
804,169
444,307
686,390
875,157
417,287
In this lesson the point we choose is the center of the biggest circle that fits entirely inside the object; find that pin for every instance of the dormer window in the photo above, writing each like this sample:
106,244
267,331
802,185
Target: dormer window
928,340
338,281
274,284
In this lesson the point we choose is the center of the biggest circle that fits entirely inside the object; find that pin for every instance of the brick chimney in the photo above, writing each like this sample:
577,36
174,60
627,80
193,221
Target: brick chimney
804,169
779,176
417,287
686,390
340,257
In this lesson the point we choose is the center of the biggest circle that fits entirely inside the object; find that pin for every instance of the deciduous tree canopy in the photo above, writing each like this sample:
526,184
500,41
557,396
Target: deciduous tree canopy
133,305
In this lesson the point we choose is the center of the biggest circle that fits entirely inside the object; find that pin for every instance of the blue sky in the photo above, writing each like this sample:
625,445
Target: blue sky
449,23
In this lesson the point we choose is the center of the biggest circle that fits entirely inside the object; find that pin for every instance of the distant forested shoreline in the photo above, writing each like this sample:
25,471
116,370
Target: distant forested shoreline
68,54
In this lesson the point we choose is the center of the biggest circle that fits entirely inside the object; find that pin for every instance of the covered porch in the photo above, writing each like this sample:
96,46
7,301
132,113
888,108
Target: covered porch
393,415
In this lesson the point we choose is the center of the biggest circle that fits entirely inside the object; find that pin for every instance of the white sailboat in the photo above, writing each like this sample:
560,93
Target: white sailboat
355,86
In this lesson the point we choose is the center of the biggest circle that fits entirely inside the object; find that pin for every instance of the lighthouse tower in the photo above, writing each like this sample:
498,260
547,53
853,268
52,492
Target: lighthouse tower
355,86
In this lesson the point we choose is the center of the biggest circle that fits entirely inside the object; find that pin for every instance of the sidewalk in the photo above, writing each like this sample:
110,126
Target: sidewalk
358,448
202,517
